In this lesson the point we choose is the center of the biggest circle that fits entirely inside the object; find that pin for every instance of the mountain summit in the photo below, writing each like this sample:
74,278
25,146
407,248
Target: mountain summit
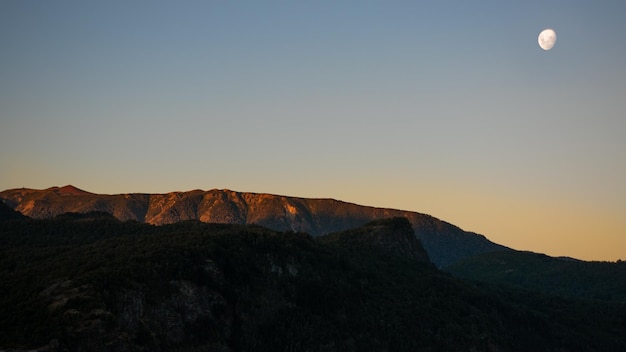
68,190
444,242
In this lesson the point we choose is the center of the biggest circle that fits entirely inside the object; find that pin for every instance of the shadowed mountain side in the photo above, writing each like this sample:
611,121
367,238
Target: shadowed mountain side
444,242
393,237
89,282
7,213
565,277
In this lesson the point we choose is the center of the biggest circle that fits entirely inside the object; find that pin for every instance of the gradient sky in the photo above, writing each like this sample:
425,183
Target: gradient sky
448,108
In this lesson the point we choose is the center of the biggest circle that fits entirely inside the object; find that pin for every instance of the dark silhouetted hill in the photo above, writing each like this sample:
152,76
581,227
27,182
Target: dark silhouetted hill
444,242
100,284
393,237
565,277
7,213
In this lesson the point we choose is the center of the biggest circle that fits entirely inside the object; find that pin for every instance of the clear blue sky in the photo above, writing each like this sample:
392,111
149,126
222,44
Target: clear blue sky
443,107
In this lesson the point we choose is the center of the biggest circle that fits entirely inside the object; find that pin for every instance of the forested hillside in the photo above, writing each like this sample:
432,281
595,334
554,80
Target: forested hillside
94,283
566,277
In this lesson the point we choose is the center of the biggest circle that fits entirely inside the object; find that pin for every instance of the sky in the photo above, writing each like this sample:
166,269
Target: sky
448,108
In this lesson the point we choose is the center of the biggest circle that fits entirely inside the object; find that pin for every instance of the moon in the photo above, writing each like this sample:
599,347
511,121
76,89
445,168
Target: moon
546,39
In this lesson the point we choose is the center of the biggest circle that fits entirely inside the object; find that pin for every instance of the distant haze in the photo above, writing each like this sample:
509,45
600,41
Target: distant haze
449,109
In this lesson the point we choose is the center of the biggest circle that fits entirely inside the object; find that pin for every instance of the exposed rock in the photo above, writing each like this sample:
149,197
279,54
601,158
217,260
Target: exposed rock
136,320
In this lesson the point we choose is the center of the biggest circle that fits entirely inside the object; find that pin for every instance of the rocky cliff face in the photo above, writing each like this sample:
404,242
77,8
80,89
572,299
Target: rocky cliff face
444,242
137,319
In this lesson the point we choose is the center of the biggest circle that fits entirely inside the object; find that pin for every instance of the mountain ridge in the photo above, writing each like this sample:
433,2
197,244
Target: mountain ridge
444,242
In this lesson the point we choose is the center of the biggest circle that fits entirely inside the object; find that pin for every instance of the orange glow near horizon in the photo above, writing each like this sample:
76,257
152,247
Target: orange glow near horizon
549,227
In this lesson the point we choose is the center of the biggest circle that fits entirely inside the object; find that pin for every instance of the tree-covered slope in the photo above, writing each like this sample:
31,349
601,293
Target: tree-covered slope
566,277
98,284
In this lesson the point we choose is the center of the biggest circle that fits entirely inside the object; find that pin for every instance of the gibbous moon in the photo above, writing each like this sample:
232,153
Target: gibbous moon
546,39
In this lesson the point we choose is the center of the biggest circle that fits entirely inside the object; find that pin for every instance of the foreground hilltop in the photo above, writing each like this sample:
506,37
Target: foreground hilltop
90,282
444,242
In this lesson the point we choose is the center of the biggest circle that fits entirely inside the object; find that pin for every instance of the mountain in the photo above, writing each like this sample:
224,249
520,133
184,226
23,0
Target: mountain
566,277
444,242
94,283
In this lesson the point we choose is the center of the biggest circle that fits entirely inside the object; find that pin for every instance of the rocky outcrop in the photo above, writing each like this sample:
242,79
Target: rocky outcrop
444,242
139,317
